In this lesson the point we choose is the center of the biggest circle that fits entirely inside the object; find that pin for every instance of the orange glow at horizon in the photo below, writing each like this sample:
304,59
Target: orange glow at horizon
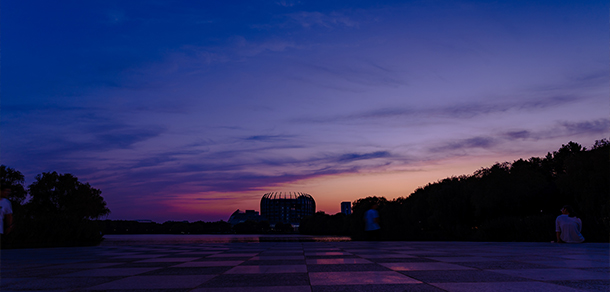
330,191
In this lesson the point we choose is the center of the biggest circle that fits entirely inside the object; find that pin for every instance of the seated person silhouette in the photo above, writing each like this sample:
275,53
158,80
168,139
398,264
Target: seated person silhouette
568,226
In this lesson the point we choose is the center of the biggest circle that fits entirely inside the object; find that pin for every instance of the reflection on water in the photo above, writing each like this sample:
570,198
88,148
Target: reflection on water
137,239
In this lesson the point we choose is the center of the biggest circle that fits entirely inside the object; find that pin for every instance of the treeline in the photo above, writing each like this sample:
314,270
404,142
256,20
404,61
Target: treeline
199,227
516,201
55,210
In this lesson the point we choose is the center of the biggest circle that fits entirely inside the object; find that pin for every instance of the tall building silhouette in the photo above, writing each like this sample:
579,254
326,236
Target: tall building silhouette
346,208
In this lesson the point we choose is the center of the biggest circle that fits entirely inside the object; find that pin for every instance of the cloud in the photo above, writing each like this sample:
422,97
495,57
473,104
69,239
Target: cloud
269,138
287,3
357,156
596,126
456,111
312,19
523,134
484,142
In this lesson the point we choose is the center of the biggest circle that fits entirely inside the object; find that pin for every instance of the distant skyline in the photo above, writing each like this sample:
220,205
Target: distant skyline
189,110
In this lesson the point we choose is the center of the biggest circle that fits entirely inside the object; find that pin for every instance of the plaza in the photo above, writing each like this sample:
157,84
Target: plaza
310,266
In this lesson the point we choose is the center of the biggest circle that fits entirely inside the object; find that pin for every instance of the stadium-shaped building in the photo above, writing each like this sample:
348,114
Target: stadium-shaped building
290,207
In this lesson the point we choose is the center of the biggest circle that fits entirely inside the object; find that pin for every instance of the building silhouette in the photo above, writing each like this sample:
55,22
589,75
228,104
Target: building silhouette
289,207
240,217
346,208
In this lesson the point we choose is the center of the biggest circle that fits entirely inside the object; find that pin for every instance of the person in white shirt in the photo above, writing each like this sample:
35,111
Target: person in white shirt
371,220
568,226
6,210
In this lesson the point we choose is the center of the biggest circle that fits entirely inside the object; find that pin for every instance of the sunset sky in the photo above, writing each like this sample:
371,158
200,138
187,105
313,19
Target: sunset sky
189,110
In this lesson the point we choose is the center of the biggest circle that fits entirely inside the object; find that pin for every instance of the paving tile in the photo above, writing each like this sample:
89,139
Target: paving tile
402,260
110,272
588,285
333,257
146,265
377,288
572,263
555,274
169,259
337,261
208,264
272,262
269,257
189,271
253,280
214,259
58,283
305,288
501,265
462,259
423,266
232,255
328,253
503,287
268,269
79,266
154,282
352,278
346,268
465,276
385,255
34,273
131,290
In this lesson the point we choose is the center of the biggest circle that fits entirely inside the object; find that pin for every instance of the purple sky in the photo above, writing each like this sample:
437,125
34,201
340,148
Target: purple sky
190,110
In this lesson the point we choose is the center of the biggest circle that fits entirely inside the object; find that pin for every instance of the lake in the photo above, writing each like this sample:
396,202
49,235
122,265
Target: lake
143,239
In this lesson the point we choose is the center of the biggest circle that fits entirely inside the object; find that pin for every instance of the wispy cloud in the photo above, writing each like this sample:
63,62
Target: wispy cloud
311,19
455,111
475,142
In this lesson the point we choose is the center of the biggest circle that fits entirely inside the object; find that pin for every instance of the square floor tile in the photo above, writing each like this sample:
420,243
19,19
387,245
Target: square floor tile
587,285
402,260
257,289
423,266
355,278
272,262
254,280
58,283
269,257
465,276
503,287
155,282
555,274
267,269
110,272
337,261
495,265
377,288
166,260
232,255
572,263
207,264
462,259
346,268
189,271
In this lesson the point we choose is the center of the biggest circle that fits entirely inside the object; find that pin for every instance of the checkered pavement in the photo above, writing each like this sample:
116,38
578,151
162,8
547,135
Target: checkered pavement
310,266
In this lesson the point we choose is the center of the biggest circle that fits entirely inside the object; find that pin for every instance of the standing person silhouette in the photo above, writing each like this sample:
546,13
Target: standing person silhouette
568,226
6,211
371,220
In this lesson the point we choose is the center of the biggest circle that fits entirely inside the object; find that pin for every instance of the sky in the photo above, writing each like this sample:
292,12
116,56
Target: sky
189,110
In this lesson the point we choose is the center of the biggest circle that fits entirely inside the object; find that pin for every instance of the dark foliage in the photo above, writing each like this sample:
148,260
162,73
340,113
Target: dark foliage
58,212
516,201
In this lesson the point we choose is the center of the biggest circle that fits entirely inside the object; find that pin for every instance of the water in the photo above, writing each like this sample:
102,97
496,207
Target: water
144,239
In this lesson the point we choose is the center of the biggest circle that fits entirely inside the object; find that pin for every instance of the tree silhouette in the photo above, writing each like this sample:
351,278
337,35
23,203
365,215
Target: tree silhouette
14,179
62,195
